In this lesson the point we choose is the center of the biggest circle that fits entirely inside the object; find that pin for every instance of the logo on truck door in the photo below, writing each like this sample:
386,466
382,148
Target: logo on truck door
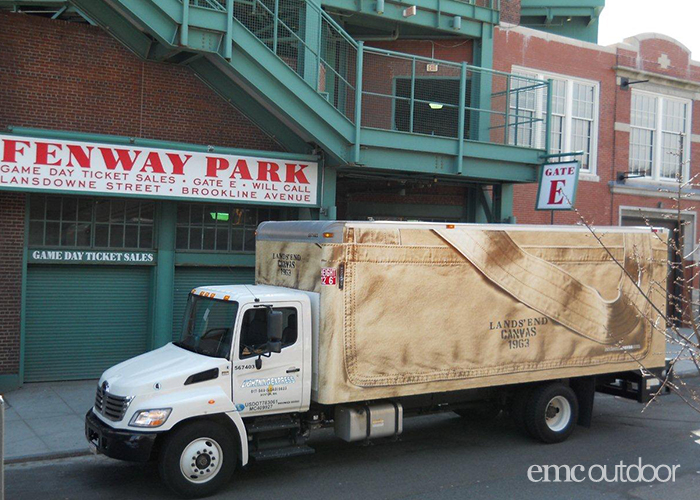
329,276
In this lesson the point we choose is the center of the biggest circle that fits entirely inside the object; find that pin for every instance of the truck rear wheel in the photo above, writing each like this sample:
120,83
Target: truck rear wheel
197,459
551,413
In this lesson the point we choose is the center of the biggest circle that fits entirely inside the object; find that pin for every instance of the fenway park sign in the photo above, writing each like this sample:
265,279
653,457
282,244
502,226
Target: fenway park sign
71,166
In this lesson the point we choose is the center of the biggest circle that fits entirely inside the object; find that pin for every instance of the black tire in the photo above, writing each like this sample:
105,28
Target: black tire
212,447
551,413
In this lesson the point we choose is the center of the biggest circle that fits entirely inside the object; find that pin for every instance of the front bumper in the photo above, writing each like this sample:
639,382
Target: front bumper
119,444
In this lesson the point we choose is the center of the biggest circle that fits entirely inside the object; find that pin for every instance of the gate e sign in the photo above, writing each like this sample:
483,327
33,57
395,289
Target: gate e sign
558,183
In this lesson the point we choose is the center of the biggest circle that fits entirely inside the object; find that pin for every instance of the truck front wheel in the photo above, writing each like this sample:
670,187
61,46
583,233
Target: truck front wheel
197,459
551,413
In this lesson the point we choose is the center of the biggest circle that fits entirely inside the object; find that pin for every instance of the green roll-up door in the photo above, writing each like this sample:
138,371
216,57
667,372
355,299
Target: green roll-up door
81,320
187,278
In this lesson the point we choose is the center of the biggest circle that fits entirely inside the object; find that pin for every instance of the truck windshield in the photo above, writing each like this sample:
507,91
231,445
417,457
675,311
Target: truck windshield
208,326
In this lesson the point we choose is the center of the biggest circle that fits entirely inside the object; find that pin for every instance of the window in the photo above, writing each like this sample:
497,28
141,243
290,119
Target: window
435,107
65,221
254,330
659,127
219,227
574,125
208,326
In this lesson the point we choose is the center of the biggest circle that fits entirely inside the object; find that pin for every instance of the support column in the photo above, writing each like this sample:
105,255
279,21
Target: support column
481,86
328,188
164,274
312,24
503,203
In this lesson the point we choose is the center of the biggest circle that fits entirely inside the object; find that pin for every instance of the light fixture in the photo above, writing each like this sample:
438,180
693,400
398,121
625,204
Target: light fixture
435,105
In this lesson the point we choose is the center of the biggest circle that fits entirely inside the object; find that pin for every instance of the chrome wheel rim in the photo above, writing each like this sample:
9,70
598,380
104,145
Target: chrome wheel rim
201,460
558,413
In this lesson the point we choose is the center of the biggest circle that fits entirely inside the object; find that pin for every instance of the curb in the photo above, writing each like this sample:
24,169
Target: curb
39,457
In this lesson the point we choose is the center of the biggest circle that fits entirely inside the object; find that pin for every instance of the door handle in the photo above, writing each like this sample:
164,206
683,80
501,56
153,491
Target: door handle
293,370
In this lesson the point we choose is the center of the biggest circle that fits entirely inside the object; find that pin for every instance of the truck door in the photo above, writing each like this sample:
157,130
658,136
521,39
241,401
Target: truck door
277,386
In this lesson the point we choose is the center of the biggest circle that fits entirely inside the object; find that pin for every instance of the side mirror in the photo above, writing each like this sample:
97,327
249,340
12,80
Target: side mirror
274,347
275,326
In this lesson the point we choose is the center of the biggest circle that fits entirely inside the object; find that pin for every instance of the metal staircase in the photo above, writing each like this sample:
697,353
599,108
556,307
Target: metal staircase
297,73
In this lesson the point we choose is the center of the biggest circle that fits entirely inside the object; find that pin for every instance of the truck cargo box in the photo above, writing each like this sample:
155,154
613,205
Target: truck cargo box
415,308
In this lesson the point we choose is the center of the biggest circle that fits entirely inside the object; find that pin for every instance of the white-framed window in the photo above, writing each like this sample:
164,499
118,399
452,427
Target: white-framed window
659,128
574,125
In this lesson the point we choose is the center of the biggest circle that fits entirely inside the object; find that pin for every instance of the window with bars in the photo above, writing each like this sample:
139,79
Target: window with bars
204,227
659,126
574,122
64,221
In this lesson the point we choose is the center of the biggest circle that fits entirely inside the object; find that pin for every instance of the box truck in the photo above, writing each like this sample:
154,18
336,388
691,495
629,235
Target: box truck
358,325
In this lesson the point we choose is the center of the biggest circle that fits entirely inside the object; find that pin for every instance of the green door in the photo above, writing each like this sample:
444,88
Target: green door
80,320
187,278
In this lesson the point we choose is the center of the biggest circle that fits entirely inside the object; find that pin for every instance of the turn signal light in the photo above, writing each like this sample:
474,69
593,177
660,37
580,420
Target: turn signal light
327,235
450,226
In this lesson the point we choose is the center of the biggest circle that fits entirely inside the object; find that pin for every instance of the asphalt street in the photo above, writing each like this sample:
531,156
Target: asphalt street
438,457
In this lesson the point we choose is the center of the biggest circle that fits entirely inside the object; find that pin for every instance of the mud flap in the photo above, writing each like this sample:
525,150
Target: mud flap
584,388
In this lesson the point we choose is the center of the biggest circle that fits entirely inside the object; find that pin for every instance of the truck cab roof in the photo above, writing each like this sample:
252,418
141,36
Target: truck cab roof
248,293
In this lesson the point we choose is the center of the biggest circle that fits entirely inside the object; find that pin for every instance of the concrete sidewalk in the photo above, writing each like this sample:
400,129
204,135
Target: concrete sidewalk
47,420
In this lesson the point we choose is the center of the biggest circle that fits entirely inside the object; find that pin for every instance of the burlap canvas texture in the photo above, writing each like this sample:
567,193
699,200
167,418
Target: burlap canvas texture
430,310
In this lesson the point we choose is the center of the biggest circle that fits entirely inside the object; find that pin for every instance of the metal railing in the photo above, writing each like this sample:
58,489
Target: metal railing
389,90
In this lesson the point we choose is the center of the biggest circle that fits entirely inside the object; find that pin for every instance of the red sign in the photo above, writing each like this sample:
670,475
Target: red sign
329,276
70,166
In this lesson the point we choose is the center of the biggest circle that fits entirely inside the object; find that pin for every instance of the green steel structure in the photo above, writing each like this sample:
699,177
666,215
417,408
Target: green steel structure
572,18
308,77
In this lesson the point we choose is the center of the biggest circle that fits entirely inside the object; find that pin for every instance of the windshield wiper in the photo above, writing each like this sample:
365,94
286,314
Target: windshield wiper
184,346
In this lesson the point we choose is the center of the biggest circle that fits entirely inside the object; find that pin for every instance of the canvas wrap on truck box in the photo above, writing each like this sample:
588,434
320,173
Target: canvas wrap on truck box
421,308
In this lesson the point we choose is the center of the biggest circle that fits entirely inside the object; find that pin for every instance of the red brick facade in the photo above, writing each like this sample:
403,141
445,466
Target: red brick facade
74,76
510,11
522,48
11,250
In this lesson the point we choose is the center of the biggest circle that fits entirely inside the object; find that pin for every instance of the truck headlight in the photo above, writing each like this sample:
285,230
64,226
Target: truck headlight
150,418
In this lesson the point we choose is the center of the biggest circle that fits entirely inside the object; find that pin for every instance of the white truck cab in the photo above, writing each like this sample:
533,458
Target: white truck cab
216,373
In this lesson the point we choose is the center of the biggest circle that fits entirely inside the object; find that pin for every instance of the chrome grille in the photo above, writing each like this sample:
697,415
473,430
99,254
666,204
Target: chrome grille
111,406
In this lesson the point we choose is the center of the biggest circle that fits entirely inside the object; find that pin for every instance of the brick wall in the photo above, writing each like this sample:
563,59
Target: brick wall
11,249
510,11
76,77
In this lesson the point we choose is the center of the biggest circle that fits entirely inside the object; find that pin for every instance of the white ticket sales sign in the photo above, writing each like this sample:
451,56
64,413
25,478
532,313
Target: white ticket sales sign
557,188
71,166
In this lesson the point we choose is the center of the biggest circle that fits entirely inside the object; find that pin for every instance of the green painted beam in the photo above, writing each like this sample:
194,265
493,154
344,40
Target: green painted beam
103,15
437,15
257,113
415,143
529,4
164,281
560,12
328,209
260,72
475,169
